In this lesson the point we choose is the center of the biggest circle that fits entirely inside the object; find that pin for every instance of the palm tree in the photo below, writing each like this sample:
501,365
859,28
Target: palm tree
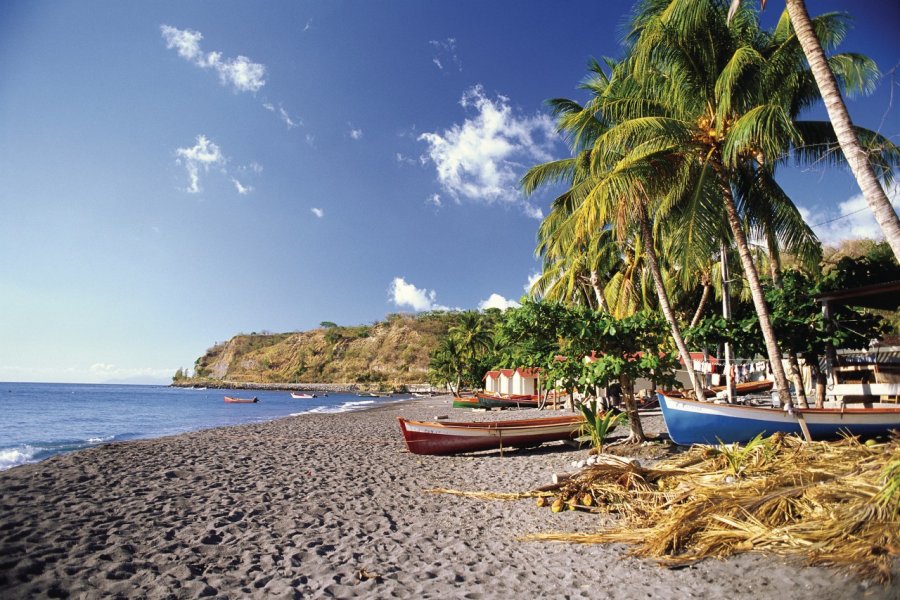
574,270
708,112
623,207
856,155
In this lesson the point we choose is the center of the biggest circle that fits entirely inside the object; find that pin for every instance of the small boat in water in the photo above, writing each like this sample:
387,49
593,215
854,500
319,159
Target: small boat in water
693,422
447,437
232,400
302,396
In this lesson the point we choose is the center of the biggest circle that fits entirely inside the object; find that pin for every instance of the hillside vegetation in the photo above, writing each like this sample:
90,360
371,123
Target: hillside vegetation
387,354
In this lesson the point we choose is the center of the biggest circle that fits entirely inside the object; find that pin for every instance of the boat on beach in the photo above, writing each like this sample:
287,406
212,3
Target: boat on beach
694,422
446,437
509,401
302,396
747,387
233,400
466,402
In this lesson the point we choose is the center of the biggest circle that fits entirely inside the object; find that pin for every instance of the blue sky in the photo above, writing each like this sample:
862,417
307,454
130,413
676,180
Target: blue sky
174,173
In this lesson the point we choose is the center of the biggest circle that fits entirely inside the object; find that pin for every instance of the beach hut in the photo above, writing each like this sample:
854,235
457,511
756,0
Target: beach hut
524,382
504,385
492,382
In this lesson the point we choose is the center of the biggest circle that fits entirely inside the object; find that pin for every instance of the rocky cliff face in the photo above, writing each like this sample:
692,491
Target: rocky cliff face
390,353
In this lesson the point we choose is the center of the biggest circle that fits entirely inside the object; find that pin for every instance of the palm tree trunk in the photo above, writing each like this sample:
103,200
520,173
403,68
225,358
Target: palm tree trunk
797,376
843,127
664,304
707,290
759,302
598,293
634,419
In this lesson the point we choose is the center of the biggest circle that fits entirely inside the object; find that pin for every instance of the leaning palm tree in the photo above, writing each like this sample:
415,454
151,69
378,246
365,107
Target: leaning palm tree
847,136
706,111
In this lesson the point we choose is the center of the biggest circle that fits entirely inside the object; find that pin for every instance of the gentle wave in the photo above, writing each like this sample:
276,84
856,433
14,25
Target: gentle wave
100,440
342,408
13,457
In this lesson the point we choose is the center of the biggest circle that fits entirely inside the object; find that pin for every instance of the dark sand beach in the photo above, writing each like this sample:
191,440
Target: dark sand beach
333,506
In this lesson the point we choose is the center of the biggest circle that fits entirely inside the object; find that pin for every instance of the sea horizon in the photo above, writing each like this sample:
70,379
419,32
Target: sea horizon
46,419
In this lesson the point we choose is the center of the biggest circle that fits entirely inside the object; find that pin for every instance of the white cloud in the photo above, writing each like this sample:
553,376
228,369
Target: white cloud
497,301
532,211
356,134
242,189
483,158
311,140
288,120
406,294
434,200
308,26
318,212
532,279
404,160
203,154
242,73
853,221
445,53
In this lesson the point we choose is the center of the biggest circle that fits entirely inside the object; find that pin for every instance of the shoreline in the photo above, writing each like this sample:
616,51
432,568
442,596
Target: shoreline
337,388
331,505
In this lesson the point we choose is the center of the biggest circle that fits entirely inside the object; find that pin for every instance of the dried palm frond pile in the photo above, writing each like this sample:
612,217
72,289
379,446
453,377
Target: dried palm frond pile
834,503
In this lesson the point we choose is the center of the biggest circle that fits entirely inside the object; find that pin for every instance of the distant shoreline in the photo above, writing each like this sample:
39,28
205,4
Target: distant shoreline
306,387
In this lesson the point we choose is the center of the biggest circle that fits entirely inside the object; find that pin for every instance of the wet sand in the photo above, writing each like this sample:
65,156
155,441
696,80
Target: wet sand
334,506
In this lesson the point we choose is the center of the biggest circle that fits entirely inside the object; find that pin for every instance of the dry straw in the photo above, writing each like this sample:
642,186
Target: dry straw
829,503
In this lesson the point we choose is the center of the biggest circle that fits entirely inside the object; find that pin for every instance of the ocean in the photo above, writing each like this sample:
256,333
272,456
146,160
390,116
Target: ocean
39,420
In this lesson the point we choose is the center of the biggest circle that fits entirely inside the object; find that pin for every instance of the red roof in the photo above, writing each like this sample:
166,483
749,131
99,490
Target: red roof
528,372
523,371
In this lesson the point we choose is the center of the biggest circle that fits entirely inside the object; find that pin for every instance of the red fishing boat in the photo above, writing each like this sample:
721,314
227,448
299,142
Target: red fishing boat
427,437
232,400
508,401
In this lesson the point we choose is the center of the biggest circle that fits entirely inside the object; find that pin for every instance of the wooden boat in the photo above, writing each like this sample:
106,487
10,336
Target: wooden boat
747,387
692,422
302,396
470,402
232,400
492,401
444,437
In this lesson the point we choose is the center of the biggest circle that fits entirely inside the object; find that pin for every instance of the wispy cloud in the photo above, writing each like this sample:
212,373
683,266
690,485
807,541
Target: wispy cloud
355,133
853,220
318,212
444,54
285,117
482,159
497,301
241,189
201,156
406,294
241,73
308,26
205,154
404,160
532,279
434,200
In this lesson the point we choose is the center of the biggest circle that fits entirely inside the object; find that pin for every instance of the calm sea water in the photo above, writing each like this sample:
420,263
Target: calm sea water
38,420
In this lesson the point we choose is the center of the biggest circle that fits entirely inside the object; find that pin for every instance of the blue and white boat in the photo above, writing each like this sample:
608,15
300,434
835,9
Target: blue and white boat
692,422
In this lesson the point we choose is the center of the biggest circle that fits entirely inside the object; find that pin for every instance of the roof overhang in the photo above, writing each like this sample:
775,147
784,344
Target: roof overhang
882,296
